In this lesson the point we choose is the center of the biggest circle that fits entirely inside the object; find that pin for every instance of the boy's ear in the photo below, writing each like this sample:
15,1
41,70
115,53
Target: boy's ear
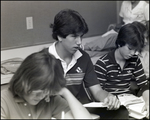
59,38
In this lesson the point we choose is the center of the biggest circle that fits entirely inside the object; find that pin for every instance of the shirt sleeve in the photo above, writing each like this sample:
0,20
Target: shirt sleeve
59,105
140,76
122,9
146,12
145,62
4,109
101,72
90,78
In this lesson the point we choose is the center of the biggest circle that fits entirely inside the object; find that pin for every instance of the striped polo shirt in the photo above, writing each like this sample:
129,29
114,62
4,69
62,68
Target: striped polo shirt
79,73
115,80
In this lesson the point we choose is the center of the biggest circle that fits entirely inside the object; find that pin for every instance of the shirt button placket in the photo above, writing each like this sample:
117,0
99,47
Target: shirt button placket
119,71
29,114
25,104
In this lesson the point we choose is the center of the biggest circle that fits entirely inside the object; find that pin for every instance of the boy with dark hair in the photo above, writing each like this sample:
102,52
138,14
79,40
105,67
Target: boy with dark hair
116,69
68,28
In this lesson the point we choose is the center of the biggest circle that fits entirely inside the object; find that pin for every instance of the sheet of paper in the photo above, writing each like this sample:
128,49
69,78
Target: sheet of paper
6,78
134,105
95,104
135,111
127,99
137,107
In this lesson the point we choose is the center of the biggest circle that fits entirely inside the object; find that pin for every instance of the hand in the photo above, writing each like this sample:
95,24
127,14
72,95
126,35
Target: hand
112,102
146,108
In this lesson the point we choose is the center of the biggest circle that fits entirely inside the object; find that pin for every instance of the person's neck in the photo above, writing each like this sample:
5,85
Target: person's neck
118,56
62,52
119,59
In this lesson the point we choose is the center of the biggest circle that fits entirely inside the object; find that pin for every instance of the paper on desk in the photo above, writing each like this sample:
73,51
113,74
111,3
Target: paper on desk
134,104
6,78
135,111
95,104
129,99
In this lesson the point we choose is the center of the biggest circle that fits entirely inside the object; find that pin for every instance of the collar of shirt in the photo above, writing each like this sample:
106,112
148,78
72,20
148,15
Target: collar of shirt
129,5
77,55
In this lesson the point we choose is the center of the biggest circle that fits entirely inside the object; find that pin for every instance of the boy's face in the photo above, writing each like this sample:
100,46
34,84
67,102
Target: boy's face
72,43
127,51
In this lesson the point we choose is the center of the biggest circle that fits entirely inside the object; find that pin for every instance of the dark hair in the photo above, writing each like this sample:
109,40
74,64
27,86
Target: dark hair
132,35
141,28
67,22
39,70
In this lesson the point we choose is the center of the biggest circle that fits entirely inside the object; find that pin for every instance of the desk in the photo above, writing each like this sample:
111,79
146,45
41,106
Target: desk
121,113
17,53
5,78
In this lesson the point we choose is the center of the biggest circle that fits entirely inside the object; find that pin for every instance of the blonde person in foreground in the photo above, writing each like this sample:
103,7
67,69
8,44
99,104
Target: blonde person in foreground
37,91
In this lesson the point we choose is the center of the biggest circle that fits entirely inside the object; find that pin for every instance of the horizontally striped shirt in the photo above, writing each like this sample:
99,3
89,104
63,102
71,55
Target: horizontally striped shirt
79,74
115,80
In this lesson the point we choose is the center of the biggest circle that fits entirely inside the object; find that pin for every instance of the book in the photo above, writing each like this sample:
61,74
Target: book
95,104
134,105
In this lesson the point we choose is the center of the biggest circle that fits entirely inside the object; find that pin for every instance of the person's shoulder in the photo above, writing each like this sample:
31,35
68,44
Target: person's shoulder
6,93
107,55
104,58
145,2
84,54
147,5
